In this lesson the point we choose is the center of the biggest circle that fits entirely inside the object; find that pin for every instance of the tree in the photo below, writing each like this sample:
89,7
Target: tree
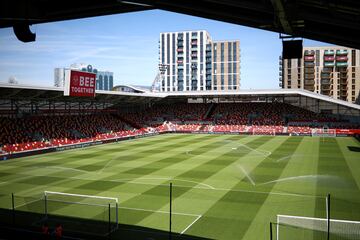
12,80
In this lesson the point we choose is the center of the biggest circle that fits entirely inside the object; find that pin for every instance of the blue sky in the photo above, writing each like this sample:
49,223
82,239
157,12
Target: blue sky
127,44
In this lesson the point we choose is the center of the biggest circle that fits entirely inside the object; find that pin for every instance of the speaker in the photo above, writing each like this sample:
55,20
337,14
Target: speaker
23,33
292,49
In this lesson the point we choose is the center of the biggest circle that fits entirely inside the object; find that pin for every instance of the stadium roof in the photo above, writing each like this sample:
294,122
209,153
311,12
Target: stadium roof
336,22
38,93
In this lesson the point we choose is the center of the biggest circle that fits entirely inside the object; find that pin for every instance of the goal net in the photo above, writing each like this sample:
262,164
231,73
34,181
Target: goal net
82,212
323,132
299,228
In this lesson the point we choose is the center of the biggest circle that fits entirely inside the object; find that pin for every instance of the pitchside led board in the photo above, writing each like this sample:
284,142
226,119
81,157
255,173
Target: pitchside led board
79,84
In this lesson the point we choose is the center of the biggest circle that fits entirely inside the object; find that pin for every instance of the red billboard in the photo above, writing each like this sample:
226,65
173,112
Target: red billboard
80,84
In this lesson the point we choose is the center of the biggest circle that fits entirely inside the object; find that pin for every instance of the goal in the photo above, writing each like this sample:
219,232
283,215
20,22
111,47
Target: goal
83,212
323,132
297,227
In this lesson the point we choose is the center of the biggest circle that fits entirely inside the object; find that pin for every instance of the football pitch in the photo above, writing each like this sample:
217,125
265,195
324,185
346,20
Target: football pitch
224,186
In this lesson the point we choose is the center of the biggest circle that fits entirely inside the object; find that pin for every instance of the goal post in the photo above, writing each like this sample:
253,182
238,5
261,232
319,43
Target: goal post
299,228
97,212
323,132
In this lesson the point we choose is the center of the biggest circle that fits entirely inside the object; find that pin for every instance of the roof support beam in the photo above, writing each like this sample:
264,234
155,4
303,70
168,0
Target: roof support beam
280,13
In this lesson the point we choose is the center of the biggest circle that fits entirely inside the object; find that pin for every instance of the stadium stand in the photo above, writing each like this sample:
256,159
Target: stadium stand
42,131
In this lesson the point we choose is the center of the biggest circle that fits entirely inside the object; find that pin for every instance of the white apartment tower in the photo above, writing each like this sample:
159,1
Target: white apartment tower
189,58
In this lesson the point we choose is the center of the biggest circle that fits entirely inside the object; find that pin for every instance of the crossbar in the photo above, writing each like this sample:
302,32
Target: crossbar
80,195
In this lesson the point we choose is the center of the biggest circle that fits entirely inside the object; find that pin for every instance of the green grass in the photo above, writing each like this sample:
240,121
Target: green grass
224,186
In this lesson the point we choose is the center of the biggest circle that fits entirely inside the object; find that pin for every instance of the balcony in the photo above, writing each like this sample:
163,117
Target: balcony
194,49
343,75
325,92
342,58
180,61
193,37
329,64
325,82
309,70
194,55
343,93
180,50
343,88
342,52
194,42
309,82
326,87
309,76
309,64
180,66
329,52
341,64
343,81
309,52
327,70
343,70
309,87
325,75
329,58
309,58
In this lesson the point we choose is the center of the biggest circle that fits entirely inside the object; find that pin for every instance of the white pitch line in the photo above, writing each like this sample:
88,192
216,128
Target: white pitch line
135,180
191,224
193,187
159,211
100,171
246,174
24,204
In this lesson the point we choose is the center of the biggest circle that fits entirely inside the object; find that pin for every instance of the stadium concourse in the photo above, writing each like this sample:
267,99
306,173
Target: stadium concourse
34,118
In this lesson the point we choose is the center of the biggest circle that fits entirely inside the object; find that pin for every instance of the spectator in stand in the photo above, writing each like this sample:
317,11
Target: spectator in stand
45,231
58,231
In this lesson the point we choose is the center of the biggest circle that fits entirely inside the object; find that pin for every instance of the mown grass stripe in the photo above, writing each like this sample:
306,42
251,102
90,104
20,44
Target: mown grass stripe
342,185
234,212
155,192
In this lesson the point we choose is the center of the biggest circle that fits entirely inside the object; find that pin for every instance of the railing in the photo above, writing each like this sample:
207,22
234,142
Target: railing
309,58
329,64
329,58
329,52
341,64
341,58
341,52
309,52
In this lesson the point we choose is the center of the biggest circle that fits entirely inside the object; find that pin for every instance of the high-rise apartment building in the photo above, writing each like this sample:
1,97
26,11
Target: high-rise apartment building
333,71
104,79
195,63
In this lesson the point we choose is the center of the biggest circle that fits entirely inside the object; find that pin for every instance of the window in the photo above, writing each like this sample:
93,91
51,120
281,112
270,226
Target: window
234,51
222,52
353,57
168,49
162,48
173,48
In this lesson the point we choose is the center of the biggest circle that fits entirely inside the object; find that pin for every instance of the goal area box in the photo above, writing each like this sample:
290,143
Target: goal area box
94,215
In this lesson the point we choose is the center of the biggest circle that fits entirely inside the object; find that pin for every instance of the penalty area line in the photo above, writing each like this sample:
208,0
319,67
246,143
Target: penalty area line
183,231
